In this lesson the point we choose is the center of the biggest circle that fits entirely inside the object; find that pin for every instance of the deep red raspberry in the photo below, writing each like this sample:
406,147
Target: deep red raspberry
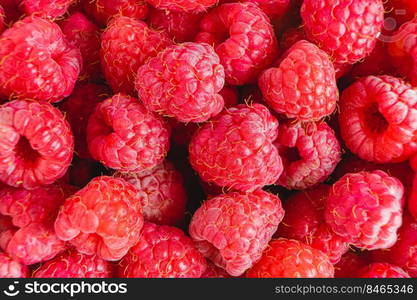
72,264
123,135
303,86
365,209
349,265
183,81
233,229
273,8
45,8
346,29
291,259
291,36
378,119
10,268
11,11
412,201
2,19
243,38
377,63
103,10
36,144
189,6
230,96
161,192
399,11
382,270
7,230
342,70
214,271
37,62
310,152
162,252
104,218
126,44
235,149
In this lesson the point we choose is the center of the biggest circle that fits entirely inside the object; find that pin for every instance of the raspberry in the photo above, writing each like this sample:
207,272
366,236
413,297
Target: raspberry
291,259
349,265
72,264
37,62
400,11
214,271
382,270
273,8
310,153
412,201
36,144
2,19
244,40
126,44
189,6
7,230
378,119
11,11
123,135
301,88
233,229
10,268
346,29
377,63
161,192
84,35
103,10
104,218
365,209
162,252
235,149
45,8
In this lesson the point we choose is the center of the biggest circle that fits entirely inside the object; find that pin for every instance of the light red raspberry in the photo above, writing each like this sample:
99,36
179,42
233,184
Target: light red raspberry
235,150
36,144
349,265
291,259
189,6
365,209
382,270
37,62
346,29
45,8
103,218
233,229
126,44
162,252
243,38
123,135
10,268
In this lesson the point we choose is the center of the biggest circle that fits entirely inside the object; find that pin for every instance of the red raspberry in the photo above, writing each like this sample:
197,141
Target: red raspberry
291,259
214,271
301,88
36,144
37,61
105,217
45,8
2,19
10,268
183,81
84,35
273,8
291,36
244,40
377,63
12,12
161,192
189,6
7,230
162,252
382,270
365,209
346,29
349,265
126,44
103,10
412,201
233,229
235,149
180,26
378,119
310,153
72,264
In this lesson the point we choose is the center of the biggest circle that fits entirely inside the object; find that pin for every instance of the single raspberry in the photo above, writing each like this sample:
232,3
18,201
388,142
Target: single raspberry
214,271
243,38
233,229
37,61
180,26
382,270
310,152
377,63
301,88
188,6
104,218
346,29
45,8
72,264
365,209
84,35
235,149
291,36
103,10
291,259
378,119
349,265
161,192
162,252
36,144
123,135
126,44
10,268
183,81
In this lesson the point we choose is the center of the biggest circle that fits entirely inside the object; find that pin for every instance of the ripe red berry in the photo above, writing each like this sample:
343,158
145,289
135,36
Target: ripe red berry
45,8
382,270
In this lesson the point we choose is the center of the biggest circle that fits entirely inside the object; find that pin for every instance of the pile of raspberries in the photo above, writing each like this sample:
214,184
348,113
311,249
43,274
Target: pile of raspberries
208,138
